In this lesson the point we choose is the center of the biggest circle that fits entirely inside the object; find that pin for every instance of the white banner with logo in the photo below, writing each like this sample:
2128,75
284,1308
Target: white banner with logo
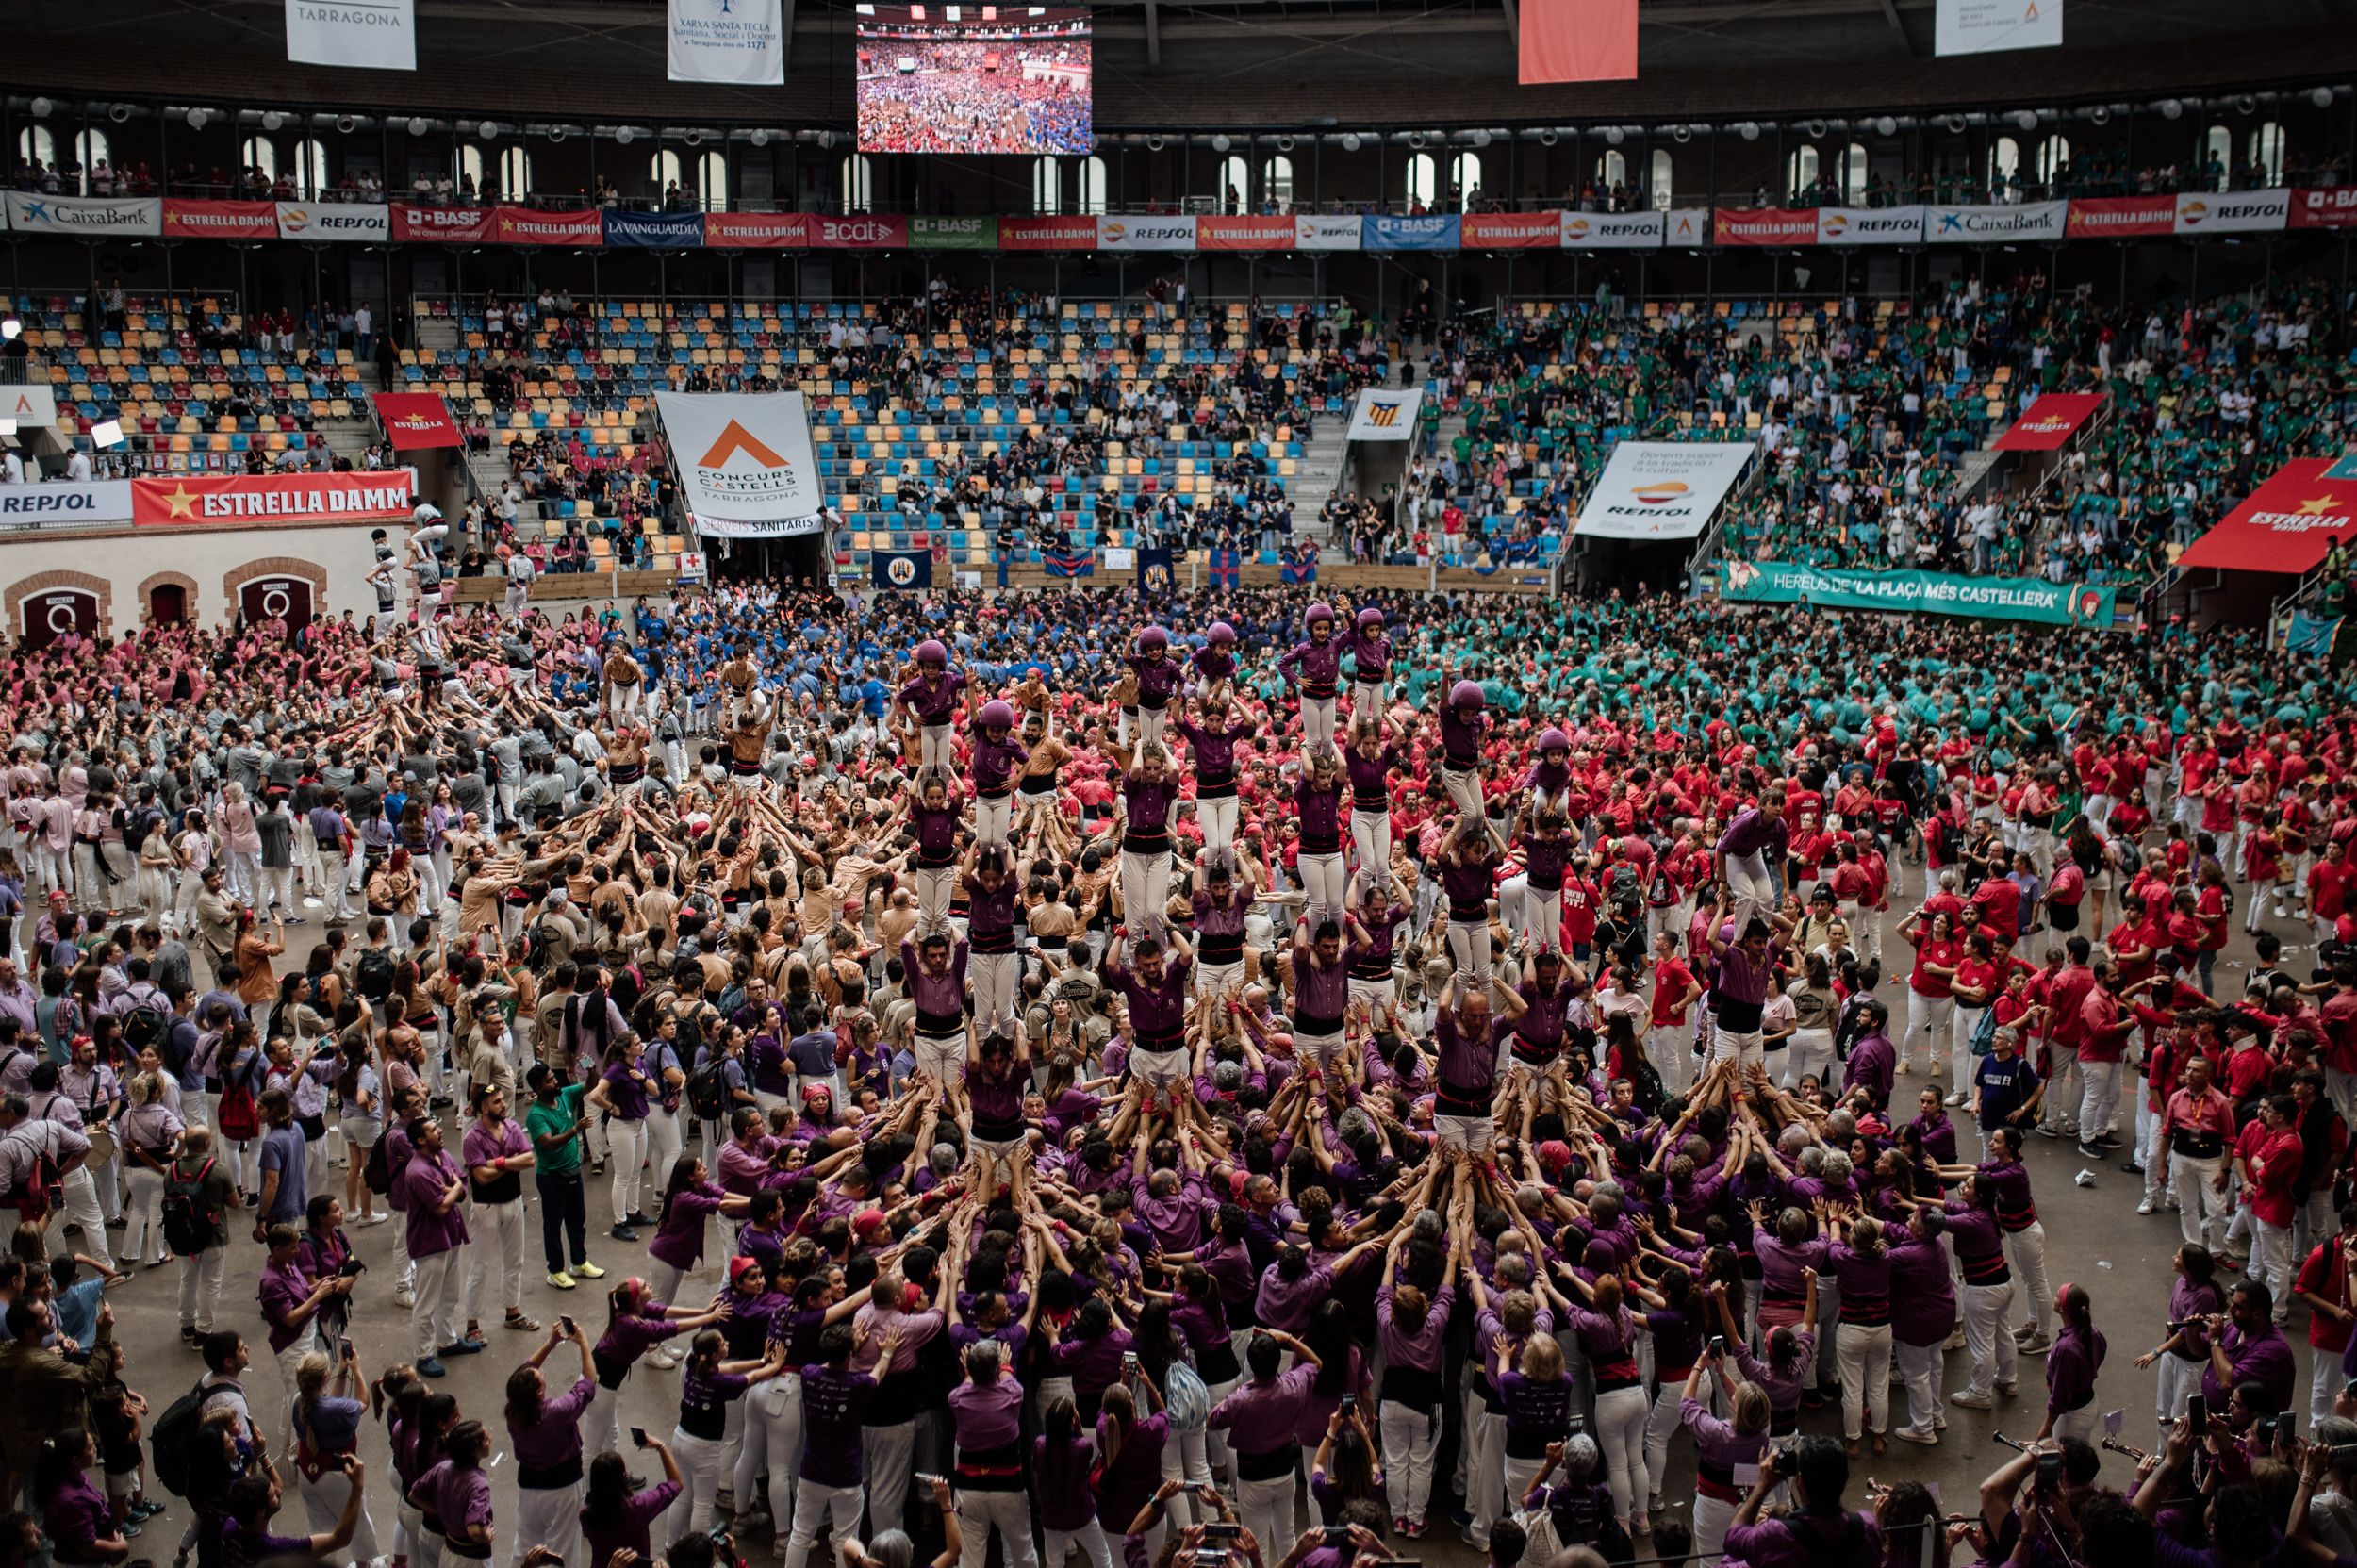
1662,489
2233,211
352,222
65,500
1384,415
1871,225
745,457
2024,220
1147,234
1981,26
774,528
31,404
1685,225
90,216
367,35
738,41
1612,231
1325,232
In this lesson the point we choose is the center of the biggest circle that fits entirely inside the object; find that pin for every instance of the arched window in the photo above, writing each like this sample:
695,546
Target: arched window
1416,191
309,169
93,148
2267,151
1092,192
1047,186
2005,162
470,170
36,145
712,182
2217,154
2053,160
1235,184
1611,169
1277,182
1661,174
1853,175
1799,171
663,169
857,176
515,174
1464,176
259,155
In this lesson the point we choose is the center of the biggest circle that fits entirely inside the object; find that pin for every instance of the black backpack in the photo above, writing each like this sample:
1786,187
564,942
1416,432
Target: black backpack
145,1025
189,1217
708,1090
174,1437
378,1171
373,974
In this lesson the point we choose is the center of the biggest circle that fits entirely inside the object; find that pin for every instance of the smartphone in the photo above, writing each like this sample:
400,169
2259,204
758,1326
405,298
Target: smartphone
926,1480
2049,1472
565,1321
2198,1411
1718,1345
1338,1535
638,1436
1130,1361
1349,1404
349,1353
1222,1533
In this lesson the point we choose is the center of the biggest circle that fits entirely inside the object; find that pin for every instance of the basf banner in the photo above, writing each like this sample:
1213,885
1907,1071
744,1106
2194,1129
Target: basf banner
2325,207
1611,231
1433,232
1869,225
746,458
364,223
1382,415
87,217
1662,489
2283,526
2031,220
1981,26
365,35
741,42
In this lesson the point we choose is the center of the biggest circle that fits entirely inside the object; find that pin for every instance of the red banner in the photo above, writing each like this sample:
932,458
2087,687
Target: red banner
1050,233
526,225
2120,217
1511,231
859,231
417,421
2284,525
1244,234
458,225
1767,226
2053,420
184,500
194,219
2329,207
1578,41
757,231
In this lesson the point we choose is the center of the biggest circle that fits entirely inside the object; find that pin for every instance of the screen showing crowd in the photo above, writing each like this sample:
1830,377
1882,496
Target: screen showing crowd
973,80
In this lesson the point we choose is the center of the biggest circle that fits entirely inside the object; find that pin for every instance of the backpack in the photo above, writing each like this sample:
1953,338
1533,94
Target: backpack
378,1171
240,1119
145,1025
708,1090
1185,1399
373,974
174,1437
189,1218
1984,1032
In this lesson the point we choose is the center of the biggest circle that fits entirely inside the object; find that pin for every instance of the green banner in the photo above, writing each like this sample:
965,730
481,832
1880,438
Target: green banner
1921,592
954,234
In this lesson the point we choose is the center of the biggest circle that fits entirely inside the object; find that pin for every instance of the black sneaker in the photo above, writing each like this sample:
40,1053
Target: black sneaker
2132,1168
623,1234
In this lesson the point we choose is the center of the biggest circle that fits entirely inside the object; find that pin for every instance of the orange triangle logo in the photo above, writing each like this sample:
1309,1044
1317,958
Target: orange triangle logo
736,439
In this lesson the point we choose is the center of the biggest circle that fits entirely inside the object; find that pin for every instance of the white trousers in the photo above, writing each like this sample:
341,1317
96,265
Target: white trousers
700,1475
1750,888
1933,1018
1621,1432
814,1501
1995,1359
1371,836
1317,723
2025,1251
545,1516
1809,1051
1145,889
1011,1511
1919,1368
323,1506
626,1144
993,976
200,1288
142,1229
1864,1356
1411,1438
2099,1097
773,1447
2201,1207
1325,881
441,1283
1216,817
496,1252
1264,1508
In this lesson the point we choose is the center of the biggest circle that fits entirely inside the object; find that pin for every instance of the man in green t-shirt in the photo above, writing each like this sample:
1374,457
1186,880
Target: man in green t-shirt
554,1120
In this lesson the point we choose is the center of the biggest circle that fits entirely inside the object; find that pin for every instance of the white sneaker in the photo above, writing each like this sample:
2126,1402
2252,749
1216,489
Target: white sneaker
1909,1434
1956,1098
2143,1206
403,1296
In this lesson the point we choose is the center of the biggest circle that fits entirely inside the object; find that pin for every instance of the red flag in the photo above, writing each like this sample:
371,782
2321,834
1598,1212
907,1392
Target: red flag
1578,40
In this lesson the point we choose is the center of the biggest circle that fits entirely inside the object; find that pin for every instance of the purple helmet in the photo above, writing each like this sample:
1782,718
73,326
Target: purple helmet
1152,638
995,715
1370,618
931,652
1221,632
1319,612
1464,694
1553,739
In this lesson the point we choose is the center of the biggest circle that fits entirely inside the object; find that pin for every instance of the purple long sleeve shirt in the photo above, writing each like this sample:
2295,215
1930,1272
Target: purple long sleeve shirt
2071,1364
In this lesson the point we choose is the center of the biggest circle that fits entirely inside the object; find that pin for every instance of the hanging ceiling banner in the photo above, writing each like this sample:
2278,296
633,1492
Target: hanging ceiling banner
363,35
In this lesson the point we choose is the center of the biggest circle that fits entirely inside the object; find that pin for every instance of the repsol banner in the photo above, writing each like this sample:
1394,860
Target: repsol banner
65,500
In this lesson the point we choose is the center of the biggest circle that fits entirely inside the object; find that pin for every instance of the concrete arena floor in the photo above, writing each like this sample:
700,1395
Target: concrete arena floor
2094,1238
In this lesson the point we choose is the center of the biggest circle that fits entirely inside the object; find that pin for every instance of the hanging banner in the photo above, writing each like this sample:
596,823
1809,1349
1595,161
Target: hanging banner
1223,568
1661,489
362,35
417,422
1047,234
863,231
2120,217
1433,232
2030,221
364,223
1685,225
2047,423
1385,415
1327,232
1158,573
902,570
2233,212
1765,226
1873,226
741,42
2284,525
1068,562
653,231
2324,208
772,528
757,231
744,456
181,500
1610,231
90,217
185,219
64,500
450,225
1244,234
1983,26
1576,41
1145,233
954,234
2085,604
31,404
1511,231
529,225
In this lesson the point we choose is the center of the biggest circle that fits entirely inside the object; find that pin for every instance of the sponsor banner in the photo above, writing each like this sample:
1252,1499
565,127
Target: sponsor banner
415,422
2120,217
365,35
757,231
2331,207
1873,226
1983,27
33,405
1385,415
657,231
745,457
2283,526
1145,233
1433,232
1611,231
180,500
769,528
529,225
64,500
741,42
1765,226
90,216
2047,423
458,225
1511,231
1050,233
369,223
2031,220
1919,592
193,220
864,231
1316,232
1244,234
1685,225
902,570
954,234
2233,211
1661,489
1578,41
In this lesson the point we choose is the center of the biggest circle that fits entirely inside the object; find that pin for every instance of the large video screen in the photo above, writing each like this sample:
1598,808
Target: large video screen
973,80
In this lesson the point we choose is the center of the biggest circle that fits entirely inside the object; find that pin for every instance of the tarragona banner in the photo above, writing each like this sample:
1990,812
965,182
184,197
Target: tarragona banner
2087,604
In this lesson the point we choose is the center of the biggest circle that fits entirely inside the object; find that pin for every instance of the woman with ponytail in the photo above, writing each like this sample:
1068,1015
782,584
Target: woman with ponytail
396,1398
74,1512
614,1519
1720,1447
546,1435
327,1432
1066,1480
634,1323
2071,1364
1133,1447
456,1490
1861,1262
1607,1335
707,1388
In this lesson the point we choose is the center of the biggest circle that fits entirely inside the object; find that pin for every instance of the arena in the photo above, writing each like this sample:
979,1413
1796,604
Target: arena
1278,785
